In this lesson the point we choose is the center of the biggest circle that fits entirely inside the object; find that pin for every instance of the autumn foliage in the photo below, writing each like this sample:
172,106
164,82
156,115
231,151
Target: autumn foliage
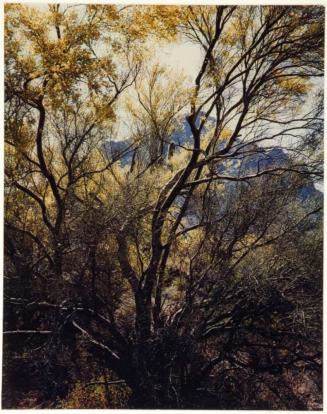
163,240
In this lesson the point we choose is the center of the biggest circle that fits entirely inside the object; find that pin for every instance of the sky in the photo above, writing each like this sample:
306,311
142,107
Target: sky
182,56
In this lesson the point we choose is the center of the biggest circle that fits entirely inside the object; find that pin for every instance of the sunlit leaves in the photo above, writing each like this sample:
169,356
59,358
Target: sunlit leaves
59,50
296,86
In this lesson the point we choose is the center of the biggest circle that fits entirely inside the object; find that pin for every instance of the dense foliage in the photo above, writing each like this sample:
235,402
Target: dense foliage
176,261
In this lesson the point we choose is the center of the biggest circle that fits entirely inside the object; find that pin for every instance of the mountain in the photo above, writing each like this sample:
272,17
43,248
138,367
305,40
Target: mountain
115,148
258,159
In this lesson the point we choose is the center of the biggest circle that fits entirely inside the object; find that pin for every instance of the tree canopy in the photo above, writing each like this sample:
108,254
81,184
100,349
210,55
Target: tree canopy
176,261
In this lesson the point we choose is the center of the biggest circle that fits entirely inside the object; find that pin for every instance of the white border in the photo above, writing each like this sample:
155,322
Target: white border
157,2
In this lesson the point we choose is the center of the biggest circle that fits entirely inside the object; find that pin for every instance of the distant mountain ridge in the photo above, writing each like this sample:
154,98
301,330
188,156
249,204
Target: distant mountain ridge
258,160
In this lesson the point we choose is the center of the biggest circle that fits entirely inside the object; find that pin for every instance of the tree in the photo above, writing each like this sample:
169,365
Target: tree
189,272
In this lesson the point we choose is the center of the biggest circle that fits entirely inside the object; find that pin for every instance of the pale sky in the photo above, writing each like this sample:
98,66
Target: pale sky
182,56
